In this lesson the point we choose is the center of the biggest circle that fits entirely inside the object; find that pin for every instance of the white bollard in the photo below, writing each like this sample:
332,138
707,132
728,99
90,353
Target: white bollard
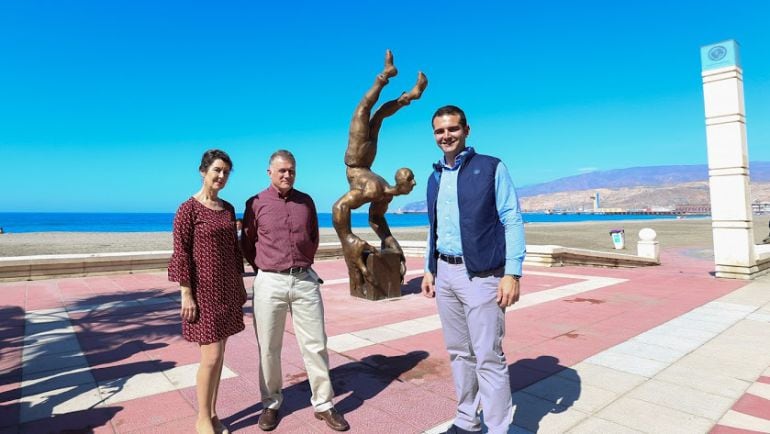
648,246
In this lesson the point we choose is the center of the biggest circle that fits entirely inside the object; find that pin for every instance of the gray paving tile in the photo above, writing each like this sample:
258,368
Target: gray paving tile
762,317
628,363
649,351
31,328
49,362
136,386
605,378
597,425
35,383
59,401
674,342
49,336
687,329
710,380
724,317
67,344
694,324
747,370
738,307
46,315
683,398
648,417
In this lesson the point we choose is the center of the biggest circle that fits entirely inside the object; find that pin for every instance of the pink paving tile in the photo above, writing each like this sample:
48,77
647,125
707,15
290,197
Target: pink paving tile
722,429
753,405
10,356
763,379
184,425
146,412
380,349
432,342
236,396
532,283
372,419
411,407
45,302
13,296
179,351
10,383
136,364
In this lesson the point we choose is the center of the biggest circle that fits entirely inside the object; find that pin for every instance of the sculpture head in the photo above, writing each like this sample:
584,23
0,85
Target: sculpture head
405,180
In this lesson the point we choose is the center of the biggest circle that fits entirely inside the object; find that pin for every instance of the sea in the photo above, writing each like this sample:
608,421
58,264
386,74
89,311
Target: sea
18,222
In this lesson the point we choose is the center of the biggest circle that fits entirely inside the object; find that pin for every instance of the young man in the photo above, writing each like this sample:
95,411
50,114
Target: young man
280,239
473,266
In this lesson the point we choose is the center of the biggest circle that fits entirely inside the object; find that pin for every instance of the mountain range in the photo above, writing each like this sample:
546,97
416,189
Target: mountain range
630,188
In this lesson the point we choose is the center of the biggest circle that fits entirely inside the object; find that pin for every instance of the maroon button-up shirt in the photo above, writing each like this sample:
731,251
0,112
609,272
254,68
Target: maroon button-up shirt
279,232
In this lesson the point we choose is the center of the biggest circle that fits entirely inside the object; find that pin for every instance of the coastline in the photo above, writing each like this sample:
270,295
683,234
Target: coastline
683,233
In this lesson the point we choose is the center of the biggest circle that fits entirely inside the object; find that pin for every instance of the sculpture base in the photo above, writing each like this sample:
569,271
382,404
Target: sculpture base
386,268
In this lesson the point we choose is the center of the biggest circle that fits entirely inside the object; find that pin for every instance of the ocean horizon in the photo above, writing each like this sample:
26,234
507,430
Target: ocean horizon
24,222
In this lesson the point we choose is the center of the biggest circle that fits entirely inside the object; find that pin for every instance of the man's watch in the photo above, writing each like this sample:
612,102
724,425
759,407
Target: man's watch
515,276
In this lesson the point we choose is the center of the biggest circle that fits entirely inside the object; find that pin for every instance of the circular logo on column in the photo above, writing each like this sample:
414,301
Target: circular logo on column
717,53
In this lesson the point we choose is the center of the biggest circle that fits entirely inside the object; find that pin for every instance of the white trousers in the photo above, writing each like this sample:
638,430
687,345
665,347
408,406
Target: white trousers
276,294
474,326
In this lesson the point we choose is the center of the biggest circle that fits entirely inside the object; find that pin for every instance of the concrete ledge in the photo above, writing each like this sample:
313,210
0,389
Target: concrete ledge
79,265
558,256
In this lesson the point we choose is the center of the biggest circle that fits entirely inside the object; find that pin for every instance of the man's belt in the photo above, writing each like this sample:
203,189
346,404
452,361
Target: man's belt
290,270
455,260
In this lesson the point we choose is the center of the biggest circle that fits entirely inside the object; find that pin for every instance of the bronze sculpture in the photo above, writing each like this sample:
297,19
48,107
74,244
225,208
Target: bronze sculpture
368,187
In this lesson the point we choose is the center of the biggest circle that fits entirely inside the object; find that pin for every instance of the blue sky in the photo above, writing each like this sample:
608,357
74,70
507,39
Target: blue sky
107,106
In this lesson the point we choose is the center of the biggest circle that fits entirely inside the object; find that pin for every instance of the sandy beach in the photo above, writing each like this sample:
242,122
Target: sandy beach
688,232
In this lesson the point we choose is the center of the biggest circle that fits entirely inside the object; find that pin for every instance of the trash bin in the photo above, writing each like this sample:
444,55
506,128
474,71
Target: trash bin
618,238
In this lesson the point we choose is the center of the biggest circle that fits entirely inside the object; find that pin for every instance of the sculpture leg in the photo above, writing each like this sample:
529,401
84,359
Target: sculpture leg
417,90
391,107
359,125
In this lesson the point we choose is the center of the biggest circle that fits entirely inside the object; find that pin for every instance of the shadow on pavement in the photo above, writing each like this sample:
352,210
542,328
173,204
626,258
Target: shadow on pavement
365,378
538,391
65,356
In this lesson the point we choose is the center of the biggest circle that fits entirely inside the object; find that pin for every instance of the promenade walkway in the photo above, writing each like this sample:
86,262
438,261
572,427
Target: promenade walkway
591,350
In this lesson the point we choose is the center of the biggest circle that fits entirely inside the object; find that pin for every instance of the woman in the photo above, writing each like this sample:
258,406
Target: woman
208,265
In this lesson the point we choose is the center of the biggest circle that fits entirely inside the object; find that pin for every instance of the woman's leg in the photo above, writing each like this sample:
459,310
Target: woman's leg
207,380
219,427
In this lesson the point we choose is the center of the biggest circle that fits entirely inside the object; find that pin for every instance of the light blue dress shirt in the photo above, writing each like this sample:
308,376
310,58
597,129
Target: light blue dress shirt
448,215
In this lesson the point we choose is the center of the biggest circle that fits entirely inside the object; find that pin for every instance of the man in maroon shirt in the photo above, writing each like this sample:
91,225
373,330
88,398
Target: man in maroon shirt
280,239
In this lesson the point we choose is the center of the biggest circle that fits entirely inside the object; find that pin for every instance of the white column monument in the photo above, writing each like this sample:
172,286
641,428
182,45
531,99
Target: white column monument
735,254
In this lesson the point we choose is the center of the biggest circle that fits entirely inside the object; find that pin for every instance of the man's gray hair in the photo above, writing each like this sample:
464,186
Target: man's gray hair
283,153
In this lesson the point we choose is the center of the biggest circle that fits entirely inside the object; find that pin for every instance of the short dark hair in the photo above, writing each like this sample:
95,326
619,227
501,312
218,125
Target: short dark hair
212,155
283,153
450,110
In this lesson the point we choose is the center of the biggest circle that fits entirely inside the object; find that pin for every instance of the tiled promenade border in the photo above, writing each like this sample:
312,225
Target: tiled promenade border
655,349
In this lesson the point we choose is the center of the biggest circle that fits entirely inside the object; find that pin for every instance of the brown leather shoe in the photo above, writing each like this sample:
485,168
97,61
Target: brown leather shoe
268,420
333,419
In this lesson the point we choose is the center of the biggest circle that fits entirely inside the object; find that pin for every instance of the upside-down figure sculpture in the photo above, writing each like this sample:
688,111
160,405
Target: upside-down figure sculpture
368,187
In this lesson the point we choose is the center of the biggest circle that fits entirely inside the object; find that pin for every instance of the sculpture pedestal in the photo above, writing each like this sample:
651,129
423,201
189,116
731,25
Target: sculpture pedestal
386,268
